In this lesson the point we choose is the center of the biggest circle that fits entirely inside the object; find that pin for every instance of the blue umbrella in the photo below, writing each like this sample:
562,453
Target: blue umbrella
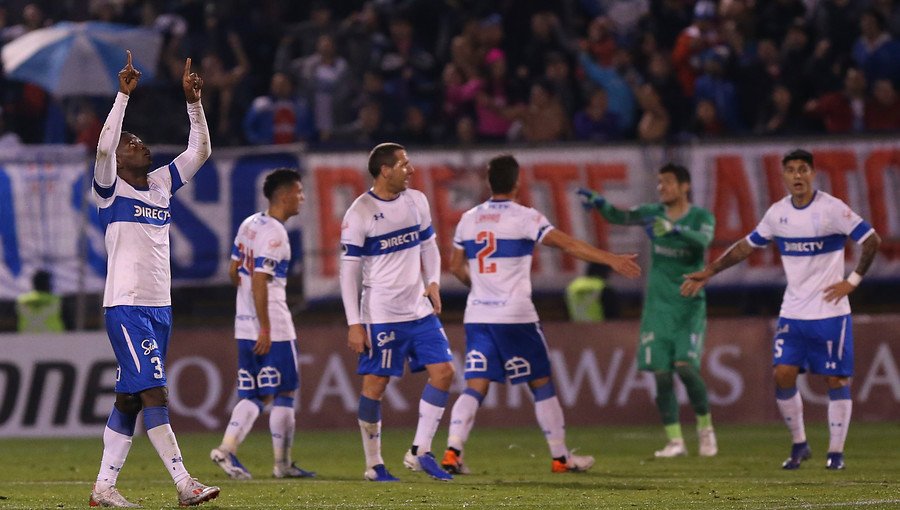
69,59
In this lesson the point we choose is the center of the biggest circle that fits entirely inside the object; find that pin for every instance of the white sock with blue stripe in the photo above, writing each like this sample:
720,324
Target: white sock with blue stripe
550,418
431,409
840,407
282,424
156,419
462,418
369,413
116,444
791,406
243,416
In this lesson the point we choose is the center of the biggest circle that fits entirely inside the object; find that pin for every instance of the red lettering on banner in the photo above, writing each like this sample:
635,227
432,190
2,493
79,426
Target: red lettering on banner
558,176
878,164
836,164
732,190
328,180
597,175
443,215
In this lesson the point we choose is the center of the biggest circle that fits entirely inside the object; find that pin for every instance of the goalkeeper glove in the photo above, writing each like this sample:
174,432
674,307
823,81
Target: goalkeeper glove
662,226
590,198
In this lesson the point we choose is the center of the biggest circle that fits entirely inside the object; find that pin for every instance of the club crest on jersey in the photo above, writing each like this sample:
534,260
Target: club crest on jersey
476,361
148,345
517,366
385,337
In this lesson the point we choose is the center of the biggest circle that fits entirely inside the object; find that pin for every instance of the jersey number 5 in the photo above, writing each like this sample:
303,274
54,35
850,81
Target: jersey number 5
490,247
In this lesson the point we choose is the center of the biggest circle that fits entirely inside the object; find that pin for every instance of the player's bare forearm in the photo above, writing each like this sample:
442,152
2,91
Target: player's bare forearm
869,250
459,266
736,253
260,283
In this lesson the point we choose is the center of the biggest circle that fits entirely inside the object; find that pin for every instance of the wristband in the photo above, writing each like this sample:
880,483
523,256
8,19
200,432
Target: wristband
854,278
265,331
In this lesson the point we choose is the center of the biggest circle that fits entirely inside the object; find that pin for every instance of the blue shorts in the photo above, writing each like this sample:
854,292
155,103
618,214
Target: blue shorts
498,352
139,336
421,342
271,374
822,346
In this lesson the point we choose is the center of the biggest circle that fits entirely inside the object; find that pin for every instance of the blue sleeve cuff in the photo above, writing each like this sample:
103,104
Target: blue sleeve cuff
757,240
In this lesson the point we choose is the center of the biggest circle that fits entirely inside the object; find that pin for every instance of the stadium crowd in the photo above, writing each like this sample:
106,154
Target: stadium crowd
349,74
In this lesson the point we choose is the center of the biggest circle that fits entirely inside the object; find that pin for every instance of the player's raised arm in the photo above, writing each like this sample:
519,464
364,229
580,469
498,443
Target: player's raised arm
199,148
695,281
590,199
105,166
622,264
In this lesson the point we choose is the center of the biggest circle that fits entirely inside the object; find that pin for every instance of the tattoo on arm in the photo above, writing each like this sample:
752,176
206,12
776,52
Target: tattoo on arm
869,249
736,253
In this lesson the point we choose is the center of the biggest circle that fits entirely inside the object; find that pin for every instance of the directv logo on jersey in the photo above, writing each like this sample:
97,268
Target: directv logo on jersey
398,240
804,247
151,212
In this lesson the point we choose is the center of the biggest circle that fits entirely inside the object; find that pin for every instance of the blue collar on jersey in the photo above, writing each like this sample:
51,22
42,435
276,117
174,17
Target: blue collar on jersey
811,200
376,197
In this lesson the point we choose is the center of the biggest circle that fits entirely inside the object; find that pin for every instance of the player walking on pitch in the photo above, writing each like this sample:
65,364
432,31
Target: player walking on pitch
814,331
673,327
267,353
388,246
134,209
492,254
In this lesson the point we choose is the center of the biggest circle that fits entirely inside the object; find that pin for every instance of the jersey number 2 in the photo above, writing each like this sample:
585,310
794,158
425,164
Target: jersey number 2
490,247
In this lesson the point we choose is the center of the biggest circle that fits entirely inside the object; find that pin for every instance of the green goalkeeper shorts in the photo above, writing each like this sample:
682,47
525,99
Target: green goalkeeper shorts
667,338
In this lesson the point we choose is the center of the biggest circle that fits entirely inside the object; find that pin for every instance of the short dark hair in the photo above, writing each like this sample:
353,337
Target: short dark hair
383,154
681,173
800,154
42,281
278,178
503,174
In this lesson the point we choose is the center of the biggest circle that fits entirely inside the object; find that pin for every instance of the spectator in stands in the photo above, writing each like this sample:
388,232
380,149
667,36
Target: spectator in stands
706,123
40,311
781,115
300,40
837,21
326,84
883,108
368,129
546,37
595,122
416,130
621,99
777,16
459,95
601,41
33,18
875,52
842,111
357,36
543,118
559,77
221,84
280,116
8,139
655,122
692,42
493,102
407,68
714,86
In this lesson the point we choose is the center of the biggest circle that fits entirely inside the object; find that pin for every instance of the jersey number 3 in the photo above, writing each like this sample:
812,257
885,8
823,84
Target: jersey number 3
490,247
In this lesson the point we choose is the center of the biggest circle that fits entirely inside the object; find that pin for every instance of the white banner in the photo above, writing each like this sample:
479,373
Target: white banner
43,193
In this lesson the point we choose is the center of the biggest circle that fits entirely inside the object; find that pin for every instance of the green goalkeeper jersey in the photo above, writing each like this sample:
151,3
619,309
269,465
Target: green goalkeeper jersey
674,254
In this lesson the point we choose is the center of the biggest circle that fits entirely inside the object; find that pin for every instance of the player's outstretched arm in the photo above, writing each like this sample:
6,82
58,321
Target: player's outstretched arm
590,199
835,292
622,264
695,281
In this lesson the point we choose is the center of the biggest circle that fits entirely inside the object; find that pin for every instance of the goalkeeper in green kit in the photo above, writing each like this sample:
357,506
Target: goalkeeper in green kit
672,326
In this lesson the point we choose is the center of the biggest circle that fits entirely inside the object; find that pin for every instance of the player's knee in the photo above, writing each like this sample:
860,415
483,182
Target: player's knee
128,403
155,397
442,375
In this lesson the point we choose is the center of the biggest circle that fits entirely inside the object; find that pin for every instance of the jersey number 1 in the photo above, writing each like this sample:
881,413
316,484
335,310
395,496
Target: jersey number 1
486,236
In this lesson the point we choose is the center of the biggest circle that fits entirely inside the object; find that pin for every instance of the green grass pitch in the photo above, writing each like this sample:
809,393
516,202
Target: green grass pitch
511,469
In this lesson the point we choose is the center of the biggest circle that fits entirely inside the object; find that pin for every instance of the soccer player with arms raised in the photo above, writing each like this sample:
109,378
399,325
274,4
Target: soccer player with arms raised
267,353
492,252
388,246
814,330
673,327
134,210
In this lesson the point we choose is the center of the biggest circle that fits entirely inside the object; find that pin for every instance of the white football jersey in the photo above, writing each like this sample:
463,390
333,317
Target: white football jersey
811,241
261,244
498,238
136,221
387,237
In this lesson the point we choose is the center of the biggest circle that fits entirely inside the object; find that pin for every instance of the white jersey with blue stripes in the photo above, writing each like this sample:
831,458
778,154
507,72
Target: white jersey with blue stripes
498,238
386,235
811,241
136,221
261,244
